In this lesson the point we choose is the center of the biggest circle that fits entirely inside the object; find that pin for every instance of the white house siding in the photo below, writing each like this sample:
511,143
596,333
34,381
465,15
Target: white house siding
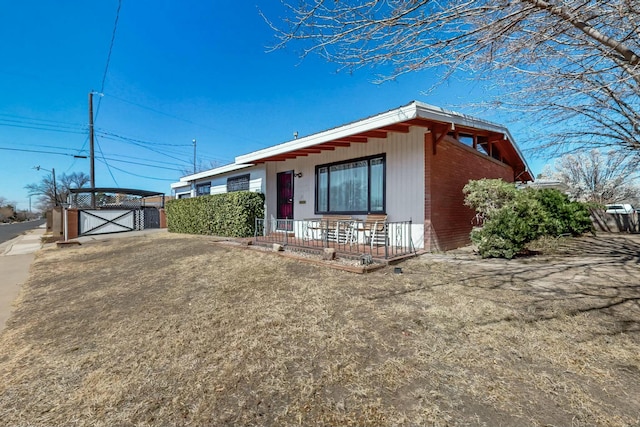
404,178
219,182
182,191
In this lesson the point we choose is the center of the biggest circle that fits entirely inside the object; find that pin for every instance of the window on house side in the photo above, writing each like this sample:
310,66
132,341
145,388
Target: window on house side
351,187
203,189
466,139
238,183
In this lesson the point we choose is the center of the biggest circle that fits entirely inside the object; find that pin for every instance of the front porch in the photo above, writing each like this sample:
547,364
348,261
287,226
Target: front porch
350,238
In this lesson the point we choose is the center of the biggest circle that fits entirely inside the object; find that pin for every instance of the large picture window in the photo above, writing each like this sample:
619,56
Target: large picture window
351,187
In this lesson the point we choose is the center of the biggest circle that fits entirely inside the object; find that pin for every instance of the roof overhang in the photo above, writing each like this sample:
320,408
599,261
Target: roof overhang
430,117
212,172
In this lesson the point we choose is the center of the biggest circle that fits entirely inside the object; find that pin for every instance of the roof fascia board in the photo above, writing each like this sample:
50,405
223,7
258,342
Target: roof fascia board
410,111
213,172
431,112
398,115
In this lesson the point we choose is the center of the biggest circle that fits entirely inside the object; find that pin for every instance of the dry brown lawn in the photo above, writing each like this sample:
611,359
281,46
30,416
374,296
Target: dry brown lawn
179,330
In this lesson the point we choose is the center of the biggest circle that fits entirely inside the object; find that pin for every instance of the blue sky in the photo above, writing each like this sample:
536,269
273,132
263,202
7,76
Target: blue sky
177,71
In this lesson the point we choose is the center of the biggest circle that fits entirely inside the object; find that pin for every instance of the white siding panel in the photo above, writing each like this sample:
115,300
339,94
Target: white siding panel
219,189
404,175
257,176
255,185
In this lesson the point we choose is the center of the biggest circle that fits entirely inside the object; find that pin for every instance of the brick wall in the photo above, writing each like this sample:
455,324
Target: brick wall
447,219
72,222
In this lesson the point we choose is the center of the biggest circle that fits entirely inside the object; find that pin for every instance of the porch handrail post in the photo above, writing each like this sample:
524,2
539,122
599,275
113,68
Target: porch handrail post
386,240
325,233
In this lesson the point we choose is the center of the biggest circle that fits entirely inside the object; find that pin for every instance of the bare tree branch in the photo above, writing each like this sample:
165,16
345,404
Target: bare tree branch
572,64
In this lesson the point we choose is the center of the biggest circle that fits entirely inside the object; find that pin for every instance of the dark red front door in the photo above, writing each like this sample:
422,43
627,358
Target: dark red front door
285,200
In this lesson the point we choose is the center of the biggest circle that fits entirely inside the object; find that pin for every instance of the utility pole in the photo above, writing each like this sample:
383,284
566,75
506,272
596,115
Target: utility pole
92,172
194,155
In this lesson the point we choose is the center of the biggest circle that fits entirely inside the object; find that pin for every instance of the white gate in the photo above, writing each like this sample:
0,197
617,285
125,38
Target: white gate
109,221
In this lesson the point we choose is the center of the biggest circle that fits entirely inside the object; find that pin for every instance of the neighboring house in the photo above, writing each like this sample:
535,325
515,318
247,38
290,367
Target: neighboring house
409,163
543,183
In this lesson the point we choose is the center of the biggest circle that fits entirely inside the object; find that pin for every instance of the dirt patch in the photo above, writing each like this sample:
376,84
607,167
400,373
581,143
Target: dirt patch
173,329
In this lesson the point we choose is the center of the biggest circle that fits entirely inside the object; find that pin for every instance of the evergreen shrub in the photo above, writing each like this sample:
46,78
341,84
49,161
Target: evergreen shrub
229,214
513,218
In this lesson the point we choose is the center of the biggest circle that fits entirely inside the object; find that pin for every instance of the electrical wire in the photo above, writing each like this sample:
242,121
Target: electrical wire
141,164
253,141
54,147
126,138
56,122
141,176
113,38
106,68
151,149
37,151
36,127
86,139
154,161
105,162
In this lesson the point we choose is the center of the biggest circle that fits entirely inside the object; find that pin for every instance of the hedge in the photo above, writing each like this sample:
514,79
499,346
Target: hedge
228,214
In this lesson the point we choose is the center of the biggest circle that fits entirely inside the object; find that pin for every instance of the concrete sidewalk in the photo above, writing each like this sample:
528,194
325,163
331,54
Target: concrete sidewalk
16,257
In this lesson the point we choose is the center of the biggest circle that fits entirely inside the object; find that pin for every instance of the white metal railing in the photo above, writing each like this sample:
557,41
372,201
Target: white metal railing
383,240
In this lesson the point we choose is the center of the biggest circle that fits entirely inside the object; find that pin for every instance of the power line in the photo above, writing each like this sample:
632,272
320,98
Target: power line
79,151
40,127
141,164
107,164
127,138
253,141
154,161
155,151
53,146
106,67
113,38
57,122
40,151
140,176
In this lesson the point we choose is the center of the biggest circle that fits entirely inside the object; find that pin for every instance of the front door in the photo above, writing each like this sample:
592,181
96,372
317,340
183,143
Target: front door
285,200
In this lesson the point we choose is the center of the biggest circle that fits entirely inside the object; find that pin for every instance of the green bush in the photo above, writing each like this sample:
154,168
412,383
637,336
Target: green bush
563,215
514,218
228,214
488,196
511,227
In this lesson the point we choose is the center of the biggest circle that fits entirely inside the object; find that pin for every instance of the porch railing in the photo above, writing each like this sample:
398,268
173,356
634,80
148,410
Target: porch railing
386,240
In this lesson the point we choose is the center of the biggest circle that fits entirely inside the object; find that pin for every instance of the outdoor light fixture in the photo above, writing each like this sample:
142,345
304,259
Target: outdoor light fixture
298,175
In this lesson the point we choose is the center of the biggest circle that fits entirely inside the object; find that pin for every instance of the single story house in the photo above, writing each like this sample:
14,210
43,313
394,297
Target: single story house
409,163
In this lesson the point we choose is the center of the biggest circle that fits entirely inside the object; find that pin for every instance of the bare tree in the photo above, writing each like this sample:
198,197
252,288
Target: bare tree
571,64
596,177
47,193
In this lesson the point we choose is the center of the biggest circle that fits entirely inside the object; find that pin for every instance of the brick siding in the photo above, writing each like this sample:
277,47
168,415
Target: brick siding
447,219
